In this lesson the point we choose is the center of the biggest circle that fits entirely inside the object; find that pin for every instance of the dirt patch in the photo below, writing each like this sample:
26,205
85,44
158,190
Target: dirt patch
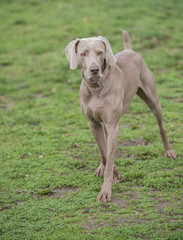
5,208
25,156
10,207
124,155
163,70
61,192
6,106
180,100
145,156
123,221
130,112
55,193
78,156
83,169
125,125
174,99
161,205
39,95
92,224
120,203
132,222
139,141
160,201
129,197
128,143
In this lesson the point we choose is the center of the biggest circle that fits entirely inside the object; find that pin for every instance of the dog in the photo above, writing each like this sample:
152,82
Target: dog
108,86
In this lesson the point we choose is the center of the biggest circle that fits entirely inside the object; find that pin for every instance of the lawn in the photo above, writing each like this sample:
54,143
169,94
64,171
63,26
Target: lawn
48,156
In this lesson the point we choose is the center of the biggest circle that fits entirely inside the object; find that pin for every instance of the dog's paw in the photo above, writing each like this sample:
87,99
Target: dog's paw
116,175
170,154
100,170
104,195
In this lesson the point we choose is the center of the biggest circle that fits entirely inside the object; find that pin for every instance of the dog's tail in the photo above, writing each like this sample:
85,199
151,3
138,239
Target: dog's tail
126,40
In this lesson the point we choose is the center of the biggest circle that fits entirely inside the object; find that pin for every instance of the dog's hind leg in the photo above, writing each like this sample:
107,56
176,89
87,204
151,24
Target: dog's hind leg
147,92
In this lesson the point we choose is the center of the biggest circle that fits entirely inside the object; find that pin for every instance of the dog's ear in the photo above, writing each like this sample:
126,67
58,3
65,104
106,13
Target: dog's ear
71,53
110,58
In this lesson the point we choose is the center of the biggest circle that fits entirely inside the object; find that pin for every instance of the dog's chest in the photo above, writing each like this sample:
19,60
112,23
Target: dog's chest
95,110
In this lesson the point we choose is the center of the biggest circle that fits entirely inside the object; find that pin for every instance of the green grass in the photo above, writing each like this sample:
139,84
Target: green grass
48,156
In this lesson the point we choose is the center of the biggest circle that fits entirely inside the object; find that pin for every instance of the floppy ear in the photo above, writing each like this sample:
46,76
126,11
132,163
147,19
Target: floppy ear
110,58
71,53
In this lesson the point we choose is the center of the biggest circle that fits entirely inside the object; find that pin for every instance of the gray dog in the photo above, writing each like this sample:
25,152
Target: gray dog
108,86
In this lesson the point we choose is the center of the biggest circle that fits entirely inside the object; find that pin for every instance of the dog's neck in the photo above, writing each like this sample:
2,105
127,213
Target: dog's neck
98,84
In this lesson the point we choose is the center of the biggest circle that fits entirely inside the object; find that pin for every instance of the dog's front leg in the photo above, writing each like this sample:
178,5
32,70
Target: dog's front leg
106,189
97,131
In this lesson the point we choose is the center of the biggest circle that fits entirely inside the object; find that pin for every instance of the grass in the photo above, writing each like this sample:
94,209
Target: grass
48,156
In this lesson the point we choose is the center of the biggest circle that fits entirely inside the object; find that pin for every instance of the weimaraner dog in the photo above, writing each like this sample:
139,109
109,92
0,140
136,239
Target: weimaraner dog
108,86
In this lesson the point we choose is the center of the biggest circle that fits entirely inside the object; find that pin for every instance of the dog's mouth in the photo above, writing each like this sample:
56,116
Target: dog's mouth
94,77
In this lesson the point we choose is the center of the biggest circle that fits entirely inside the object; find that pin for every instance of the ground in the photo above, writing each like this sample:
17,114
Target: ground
48,157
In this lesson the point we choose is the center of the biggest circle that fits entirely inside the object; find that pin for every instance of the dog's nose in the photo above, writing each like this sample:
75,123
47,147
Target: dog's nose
94,69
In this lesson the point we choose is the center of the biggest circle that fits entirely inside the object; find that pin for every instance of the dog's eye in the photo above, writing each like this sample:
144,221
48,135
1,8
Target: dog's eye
99,53
83,54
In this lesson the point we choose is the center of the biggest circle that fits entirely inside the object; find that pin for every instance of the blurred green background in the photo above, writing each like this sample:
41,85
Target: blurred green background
48,156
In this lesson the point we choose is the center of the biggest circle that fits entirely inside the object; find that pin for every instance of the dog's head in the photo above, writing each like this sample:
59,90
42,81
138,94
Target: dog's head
91,54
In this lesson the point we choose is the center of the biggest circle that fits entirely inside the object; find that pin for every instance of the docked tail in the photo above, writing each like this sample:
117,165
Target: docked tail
126,40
